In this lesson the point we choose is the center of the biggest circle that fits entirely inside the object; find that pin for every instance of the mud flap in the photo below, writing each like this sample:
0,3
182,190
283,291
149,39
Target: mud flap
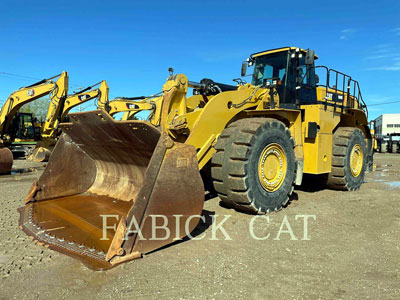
113,190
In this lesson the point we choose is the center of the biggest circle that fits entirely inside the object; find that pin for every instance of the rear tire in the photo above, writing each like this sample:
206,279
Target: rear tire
254,168
349,157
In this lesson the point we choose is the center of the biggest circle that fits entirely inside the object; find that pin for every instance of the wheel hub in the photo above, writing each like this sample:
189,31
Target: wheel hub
272,167
356,160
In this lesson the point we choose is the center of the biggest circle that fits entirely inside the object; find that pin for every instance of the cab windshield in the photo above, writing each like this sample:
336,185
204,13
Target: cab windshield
269,67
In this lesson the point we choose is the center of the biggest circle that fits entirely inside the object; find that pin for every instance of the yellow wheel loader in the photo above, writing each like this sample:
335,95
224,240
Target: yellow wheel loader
19,98
114,190
57,112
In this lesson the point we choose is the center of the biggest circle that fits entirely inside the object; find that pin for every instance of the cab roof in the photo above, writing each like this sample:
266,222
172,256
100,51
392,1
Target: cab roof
276,50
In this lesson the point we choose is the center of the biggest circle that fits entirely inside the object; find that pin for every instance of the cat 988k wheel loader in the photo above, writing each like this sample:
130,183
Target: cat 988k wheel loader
114,190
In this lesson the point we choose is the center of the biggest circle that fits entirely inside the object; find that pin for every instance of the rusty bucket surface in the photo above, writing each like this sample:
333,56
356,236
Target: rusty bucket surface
6,159
113,190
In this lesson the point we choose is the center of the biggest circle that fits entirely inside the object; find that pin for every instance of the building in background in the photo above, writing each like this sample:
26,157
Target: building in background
387,123
387,133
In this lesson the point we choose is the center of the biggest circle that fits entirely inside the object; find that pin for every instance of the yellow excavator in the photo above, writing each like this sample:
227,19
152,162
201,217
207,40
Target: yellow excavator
23,133
57,90
58,111
129,187
131,106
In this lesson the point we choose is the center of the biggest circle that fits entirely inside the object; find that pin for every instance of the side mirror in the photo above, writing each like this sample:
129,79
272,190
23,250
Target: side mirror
244,68
316,79
310,57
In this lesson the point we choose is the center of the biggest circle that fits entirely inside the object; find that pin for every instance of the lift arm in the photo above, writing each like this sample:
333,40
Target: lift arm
28,94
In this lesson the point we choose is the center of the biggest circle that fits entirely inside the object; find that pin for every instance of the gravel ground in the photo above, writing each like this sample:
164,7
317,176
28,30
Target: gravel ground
352,251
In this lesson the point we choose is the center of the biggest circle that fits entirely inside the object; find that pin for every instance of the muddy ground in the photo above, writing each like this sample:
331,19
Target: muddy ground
352,251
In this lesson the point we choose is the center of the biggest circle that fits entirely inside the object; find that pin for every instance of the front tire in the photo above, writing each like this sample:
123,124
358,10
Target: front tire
254,168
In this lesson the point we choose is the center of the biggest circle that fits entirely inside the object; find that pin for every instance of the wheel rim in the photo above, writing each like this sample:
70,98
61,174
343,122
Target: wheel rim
272,167
356,160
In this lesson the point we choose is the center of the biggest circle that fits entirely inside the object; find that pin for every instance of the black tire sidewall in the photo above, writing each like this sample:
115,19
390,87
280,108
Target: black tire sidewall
262,198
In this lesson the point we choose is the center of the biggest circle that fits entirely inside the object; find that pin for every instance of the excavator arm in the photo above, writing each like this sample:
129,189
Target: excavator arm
28,94
58,111
131,106
19,98
126,105
85,95
57,100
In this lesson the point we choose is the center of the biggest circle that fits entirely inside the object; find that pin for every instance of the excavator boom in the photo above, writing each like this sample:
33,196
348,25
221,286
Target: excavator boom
25,95
57,99
58,111
15,101
86,95
132,106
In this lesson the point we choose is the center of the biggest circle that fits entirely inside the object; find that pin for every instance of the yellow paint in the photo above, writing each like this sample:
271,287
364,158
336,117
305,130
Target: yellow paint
356,160
267,52
57,96
272,167
132,107
318,151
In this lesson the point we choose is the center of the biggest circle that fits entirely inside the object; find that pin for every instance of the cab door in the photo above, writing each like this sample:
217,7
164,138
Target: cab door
307,91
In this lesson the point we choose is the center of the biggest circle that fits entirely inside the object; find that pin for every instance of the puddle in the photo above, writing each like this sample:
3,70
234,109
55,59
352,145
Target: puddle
393,184
19,174
23,171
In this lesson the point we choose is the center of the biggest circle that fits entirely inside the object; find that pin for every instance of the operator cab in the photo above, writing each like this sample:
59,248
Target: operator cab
23,127
290,71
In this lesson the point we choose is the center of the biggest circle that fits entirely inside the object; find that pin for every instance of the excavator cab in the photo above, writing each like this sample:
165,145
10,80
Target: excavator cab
23,134
23,127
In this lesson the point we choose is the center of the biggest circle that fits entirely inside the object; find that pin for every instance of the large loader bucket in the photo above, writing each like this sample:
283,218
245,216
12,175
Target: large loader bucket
113,190
6,159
